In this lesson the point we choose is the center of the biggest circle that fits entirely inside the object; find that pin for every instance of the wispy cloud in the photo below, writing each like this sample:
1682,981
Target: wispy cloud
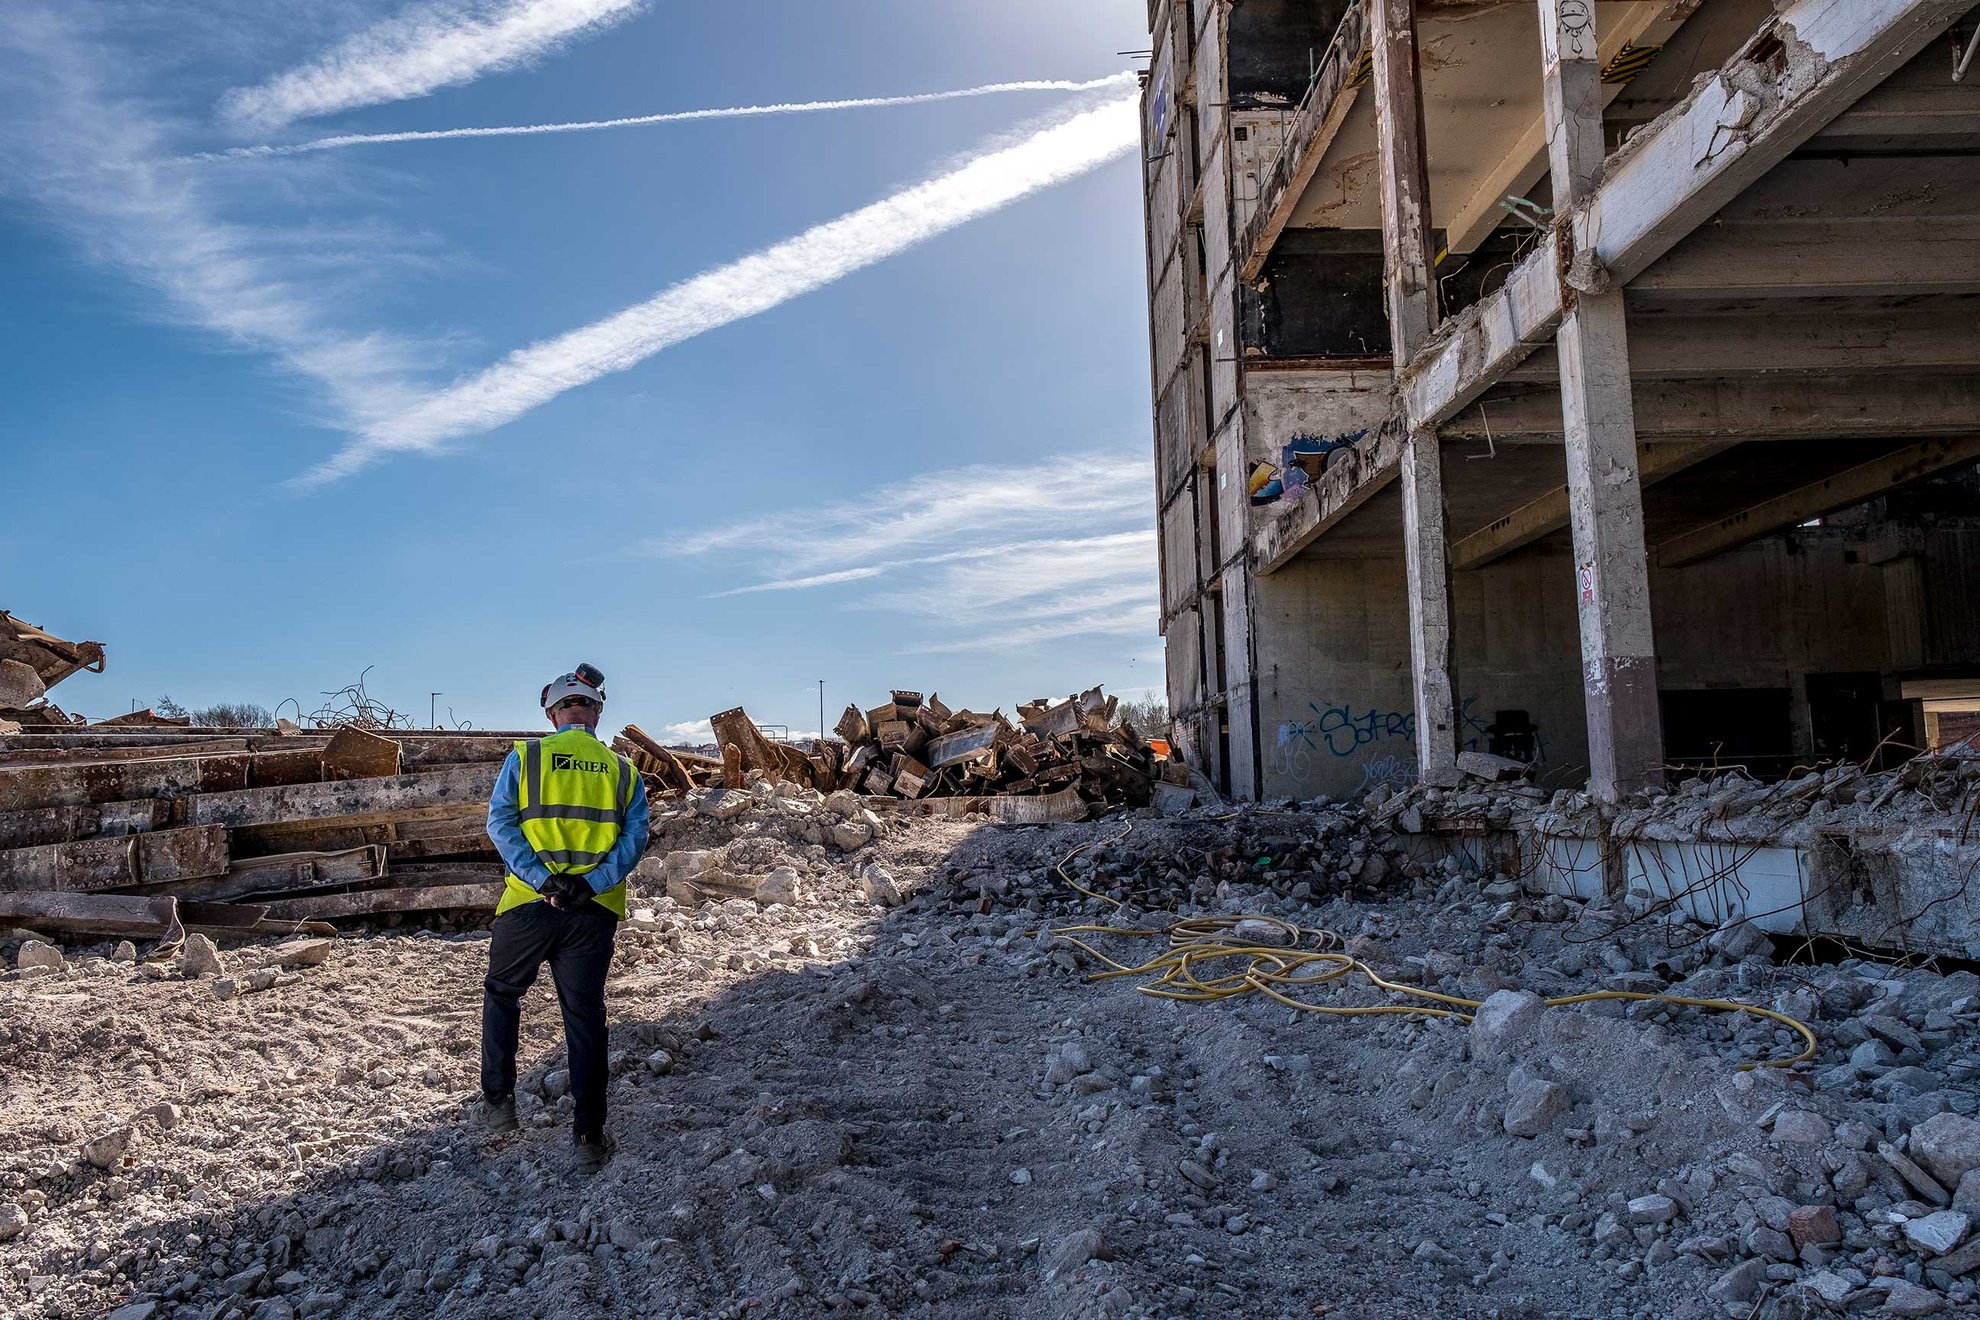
266,150
89,155
439,44
532,376
974,559
688,733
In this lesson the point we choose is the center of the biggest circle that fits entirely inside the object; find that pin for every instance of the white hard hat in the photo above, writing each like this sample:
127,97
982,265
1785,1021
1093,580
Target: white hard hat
571,685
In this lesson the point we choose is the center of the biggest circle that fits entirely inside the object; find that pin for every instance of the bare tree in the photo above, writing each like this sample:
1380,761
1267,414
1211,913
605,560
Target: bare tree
1149,715
170,709
234,715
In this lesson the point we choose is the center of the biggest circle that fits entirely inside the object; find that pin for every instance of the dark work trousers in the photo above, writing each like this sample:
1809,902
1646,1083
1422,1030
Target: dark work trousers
577,943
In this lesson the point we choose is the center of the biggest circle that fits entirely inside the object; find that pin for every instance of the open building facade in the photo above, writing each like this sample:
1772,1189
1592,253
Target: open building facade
1593,383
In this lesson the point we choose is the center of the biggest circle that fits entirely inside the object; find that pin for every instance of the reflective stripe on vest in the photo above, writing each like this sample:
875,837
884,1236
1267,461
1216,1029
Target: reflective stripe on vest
572,798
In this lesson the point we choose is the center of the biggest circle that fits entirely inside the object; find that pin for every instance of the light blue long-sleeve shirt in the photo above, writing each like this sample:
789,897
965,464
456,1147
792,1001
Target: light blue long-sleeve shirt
505,831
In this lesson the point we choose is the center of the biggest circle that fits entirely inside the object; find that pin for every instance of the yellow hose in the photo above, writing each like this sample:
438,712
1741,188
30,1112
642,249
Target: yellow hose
1200,941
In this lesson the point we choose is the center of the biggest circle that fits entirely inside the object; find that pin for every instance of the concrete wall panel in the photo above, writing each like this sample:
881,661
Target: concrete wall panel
1279,405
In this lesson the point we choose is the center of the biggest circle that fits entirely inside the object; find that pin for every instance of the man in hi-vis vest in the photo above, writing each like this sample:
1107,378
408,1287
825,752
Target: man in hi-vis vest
569,818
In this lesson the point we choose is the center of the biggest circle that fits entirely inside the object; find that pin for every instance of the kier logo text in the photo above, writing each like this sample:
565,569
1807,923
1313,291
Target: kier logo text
565,761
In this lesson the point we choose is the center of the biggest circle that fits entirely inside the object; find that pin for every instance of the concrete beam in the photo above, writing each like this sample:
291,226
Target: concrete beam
1320,116
1851,486
1920,337
1548,514
1811,61
1763,408
1867,256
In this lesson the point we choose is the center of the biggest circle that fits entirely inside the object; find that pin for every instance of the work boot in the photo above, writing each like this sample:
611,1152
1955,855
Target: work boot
498,1117
591,1154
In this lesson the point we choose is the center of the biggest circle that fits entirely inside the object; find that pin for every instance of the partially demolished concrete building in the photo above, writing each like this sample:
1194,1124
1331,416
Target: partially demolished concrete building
1593,383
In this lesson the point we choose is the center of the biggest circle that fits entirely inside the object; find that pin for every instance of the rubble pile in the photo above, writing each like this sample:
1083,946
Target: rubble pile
1067,755
1073,752
154,832
1936,791
901,1095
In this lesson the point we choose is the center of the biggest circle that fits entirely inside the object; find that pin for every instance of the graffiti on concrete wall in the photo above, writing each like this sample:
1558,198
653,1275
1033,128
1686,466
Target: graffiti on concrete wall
1344,730
1335,732
1386,771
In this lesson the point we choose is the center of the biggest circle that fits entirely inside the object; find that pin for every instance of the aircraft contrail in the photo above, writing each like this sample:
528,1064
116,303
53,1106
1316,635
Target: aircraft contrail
532,376
673,117
433,44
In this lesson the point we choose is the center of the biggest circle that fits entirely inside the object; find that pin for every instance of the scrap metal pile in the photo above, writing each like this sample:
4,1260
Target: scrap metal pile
915,754
151,832
31,662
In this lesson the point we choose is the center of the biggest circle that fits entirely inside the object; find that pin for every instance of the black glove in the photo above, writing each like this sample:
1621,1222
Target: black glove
567,891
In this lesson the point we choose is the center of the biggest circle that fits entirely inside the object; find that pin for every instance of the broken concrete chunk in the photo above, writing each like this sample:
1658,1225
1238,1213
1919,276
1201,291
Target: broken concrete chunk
40,957
725,803
1741,1283
852,835
13,1220
106,1151
1486,766
1814,1225
1535,1107
164,1113
1740,940
1652,1210
1923,1183
1938,1232
1505,1017
879,885
1948,1146
200,957
1902,1297
1803,1127
301,953
780,886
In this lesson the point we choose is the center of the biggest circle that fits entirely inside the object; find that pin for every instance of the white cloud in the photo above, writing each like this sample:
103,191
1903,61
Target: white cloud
92,160
341,140
1140,621
692,733
434,45
976,559
801,583
532,376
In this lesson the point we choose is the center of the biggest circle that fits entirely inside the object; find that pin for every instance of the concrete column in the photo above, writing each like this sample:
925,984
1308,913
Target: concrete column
1412,303
1605,495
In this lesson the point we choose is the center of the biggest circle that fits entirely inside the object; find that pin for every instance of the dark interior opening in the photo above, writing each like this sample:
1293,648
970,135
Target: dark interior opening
1275,45
1718,728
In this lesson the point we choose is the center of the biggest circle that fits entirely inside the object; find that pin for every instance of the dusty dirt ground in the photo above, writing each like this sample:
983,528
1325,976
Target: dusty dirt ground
924,1110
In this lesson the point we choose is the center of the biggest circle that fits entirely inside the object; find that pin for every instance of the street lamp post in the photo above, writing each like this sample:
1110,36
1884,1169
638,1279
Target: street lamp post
433,710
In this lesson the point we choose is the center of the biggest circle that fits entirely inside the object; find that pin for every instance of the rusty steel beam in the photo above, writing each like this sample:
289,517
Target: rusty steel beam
376,801
89,865
479,896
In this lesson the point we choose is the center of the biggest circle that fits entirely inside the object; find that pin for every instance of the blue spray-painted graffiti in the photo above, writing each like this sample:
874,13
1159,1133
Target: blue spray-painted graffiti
1342,730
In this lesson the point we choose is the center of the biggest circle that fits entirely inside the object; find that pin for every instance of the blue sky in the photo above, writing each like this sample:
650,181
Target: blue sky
268,421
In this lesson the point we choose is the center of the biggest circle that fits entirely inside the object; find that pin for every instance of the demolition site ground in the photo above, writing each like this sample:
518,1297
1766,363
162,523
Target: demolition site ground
897,1094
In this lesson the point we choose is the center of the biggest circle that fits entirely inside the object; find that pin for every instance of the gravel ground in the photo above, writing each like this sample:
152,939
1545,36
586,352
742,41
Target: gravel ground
924,1110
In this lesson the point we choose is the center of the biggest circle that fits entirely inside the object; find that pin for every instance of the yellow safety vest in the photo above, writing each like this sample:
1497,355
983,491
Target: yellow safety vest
573,793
